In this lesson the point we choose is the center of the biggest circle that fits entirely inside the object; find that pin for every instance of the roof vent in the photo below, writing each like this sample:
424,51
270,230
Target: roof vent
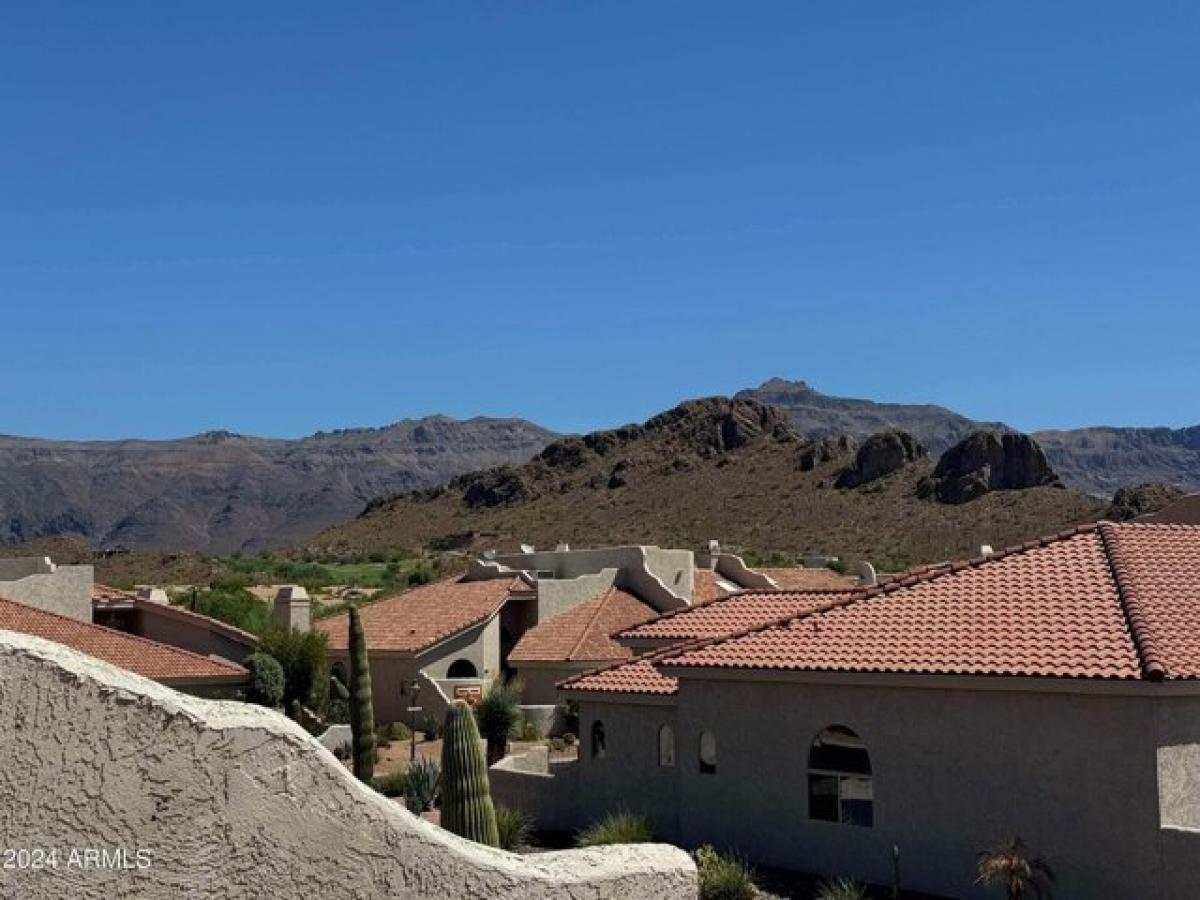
562,548
527,548
986,550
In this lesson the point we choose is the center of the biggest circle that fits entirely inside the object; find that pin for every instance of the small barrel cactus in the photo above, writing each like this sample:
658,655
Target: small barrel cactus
467,808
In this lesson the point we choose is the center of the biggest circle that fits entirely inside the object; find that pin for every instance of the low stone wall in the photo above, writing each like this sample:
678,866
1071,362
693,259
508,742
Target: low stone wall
548,793
226,799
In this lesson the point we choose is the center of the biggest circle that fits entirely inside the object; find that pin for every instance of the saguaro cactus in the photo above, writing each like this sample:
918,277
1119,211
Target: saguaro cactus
467,807
362,710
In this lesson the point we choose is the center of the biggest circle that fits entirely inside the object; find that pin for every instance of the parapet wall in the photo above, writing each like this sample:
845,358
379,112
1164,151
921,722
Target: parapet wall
231,800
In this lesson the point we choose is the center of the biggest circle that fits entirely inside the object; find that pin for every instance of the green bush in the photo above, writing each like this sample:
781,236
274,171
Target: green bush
400,732
343,751
724,877
393,784
419,576
302,655
266,680
841,889
230,604
424,779
569,739
431,727
515,828
616,828
529,731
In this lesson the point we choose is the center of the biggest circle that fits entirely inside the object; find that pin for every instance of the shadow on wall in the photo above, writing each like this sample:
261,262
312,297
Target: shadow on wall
233,799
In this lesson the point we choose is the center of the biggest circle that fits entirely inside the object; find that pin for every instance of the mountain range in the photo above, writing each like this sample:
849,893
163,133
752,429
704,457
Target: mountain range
220,492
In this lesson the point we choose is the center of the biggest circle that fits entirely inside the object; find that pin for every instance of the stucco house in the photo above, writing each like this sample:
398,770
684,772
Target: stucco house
1051,691
182,670
149,614
540,616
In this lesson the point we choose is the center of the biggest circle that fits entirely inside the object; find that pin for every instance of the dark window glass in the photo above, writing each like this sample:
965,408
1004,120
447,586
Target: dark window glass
823,798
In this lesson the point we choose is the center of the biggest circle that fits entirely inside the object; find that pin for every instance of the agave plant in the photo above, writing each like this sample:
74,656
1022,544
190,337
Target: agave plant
841,889
1011,866
423,780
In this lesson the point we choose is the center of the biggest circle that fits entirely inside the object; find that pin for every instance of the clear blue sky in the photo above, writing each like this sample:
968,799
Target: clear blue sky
281,217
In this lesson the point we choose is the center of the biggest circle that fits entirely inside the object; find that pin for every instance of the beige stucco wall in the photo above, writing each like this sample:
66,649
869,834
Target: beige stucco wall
160,624
66,590
232,800
955,771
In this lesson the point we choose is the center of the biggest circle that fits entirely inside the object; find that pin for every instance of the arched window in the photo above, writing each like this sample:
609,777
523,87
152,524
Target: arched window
598,746
462,668
708,753
666,746
839,778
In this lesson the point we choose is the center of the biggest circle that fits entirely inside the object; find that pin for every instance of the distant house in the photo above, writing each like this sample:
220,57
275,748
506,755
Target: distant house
538,615
180,669
148,614
1050,691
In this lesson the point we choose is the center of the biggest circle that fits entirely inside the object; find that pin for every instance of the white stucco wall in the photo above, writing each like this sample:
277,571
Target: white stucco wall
232,800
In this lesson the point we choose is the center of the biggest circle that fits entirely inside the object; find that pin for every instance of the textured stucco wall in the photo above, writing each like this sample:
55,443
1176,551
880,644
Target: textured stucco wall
66,591
232,800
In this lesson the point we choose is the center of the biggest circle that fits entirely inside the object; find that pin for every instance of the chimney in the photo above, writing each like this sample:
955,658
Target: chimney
154,595
293,609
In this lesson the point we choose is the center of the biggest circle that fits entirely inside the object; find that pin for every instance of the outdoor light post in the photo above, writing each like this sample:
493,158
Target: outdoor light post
415,687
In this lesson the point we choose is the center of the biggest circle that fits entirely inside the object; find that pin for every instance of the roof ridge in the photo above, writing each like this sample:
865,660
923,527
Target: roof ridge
124,634
604,598
746,592
1131,605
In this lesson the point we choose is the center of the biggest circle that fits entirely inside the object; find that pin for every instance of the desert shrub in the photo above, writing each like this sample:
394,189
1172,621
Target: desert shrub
393,784
431,727
529,730
400,731
515,827
383,735
424,776
724,877
841,889
616,828
498,715
420,575
558,745
344,750
266,680
569,739
302,655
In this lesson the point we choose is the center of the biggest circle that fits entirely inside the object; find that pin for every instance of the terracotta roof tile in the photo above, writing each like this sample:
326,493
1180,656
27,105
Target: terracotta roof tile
161,662
725,615
424,616
796,578
707,586
582,633
1113,601
102,593
638,676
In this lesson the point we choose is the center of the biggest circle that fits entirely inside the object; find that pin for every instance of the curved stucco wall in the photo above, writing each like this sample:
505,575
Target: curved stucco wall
231,800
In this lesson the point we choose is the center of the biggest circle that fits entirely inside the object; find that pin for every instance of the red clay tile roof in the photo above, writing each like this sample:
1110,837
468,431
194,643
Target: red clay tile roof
427,615
638,676
800,579
581,634
725,615
102,593
1117,601
706,586
161,662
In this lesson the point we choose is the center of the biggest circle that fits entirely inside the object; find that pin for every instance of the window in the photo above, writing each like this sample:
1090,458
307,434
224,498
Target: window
462,668
598,746
708,753
839,779
666,746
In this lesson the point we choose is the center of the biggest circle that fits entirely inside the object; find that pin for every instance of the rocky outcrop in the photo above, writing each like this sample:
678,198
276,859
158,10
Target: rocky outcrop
716,425
496,487
817,453
988,461
880,455
1142,499
226,799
